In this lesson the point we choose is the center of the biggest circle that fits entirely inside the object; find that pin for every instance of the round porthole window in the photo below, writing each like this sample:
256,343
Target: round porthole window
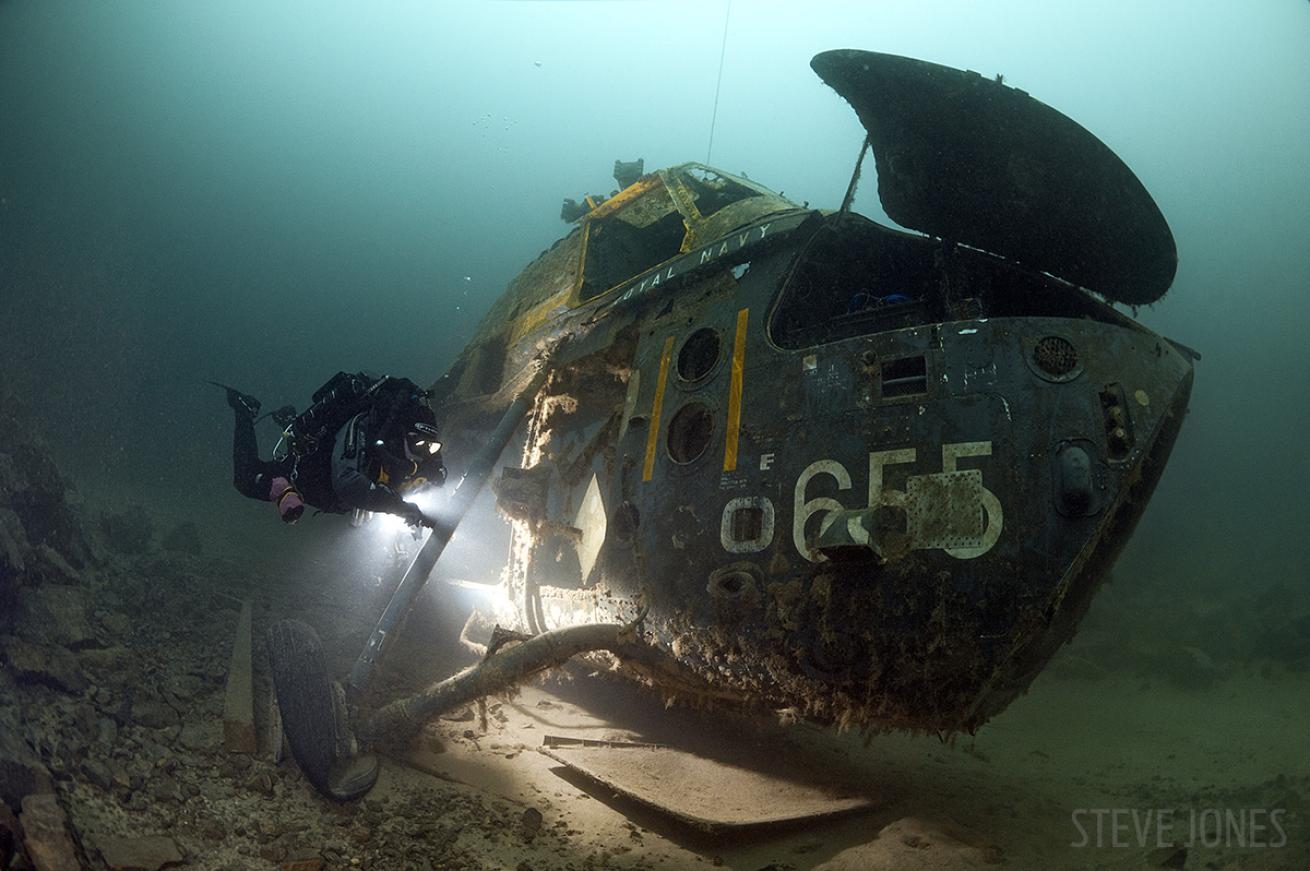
1053,358
689,432
699,354
1056,356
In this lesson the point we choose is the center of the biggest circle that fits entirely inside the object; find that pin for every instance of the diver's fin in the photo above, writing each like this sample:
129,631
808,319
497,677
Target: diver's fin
283,416
238,400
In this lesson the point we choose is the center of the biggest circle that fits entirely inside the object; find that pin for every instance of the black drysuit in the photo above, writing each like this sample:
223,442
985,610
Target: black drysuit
336,478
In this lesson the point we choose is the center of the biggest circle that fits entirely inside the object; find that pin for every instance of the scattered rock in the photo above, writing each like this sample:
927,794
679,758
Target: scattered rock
54,614
165,789
211,829
140,853
11,835
530,823
129,532
21,770
13,540
199,737
260,782
153,714
48,566
52,666
119,776
154,752
45,834
98,773
108,665
273,852
82,716
106,731
116,624
186,686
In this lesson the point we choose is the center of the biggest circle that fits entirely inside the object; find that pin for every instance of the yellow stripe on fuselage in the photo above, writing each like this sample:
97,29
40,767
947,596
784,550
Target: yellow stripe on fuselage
656,407
734,393
538,314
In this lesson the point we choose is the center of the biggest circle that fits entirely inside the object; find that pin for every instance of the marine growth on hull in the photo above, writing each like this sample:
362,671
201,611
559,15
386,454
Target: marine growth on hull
866,475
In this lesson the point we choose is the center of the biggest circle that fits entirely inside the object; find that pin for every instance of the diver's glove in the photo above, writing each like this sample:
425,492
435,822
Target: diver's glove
414,516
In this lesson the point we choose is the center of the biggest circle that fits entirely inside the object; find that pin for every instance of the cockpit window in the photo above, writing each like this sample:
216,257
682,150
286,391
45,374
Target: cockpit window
855,278
662,215
852,280
640,235
712,191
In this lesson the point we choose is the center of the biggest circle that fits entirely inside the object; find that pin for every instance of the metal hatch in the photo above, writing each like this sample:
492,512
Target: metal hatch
971,160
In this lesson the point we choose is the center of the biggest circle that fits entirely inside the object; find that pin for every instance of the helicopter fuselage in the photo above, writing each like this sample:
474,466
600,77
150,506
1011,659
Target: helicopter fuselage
864,475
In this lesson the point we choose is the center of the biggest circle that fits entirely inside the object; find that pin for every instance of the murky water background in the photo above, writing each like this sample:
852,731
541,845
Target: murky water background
262,196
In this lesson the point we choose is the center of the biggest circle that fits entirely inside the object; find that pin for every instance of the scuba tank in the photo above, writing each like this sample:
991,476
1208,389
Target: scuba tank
343,396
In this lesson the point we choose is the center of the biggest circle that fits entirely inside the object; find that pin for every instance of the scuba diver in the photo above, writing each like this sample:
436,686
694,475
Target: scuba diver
363,443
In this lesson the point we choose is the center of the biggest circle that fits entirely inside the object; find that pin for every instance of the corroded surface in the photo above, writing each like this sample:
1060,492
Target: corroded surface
828,460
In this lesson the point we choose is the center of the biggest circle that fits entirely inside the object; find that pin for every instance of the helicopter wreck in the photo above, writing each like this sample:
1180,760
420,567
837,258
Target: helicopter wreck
797,461
866,476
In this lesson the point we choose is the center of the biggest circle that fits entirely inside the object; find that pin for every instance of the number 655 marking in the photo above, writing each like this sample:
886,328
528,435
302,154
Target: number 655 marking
881,495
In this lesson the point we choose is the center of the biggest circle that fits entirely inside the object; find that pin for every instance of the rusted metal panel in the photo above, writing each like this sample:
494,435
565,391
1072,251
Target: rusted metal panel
945,509
708,795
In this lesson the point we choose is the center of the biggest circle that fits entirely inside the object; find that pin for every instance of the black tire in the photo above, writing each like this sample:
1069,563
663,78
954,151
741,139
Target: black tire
307,701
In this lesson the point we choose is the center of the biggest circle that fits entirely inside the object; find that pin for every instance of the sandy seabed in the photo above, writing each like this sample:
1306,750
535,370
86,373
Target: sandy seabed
118,689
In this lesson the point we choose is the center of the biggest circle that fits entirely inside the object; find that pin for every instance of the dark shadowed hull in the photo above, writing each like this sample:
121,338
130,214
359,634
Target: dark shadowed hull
915,614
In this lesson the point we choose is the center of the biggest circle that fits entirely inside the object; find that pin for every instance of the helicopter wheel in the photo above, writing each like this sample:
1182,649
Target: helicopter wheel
312,718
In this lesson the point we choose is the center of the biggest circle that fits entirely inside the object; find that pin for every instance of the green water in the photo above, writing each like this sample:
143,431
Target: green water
265,195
